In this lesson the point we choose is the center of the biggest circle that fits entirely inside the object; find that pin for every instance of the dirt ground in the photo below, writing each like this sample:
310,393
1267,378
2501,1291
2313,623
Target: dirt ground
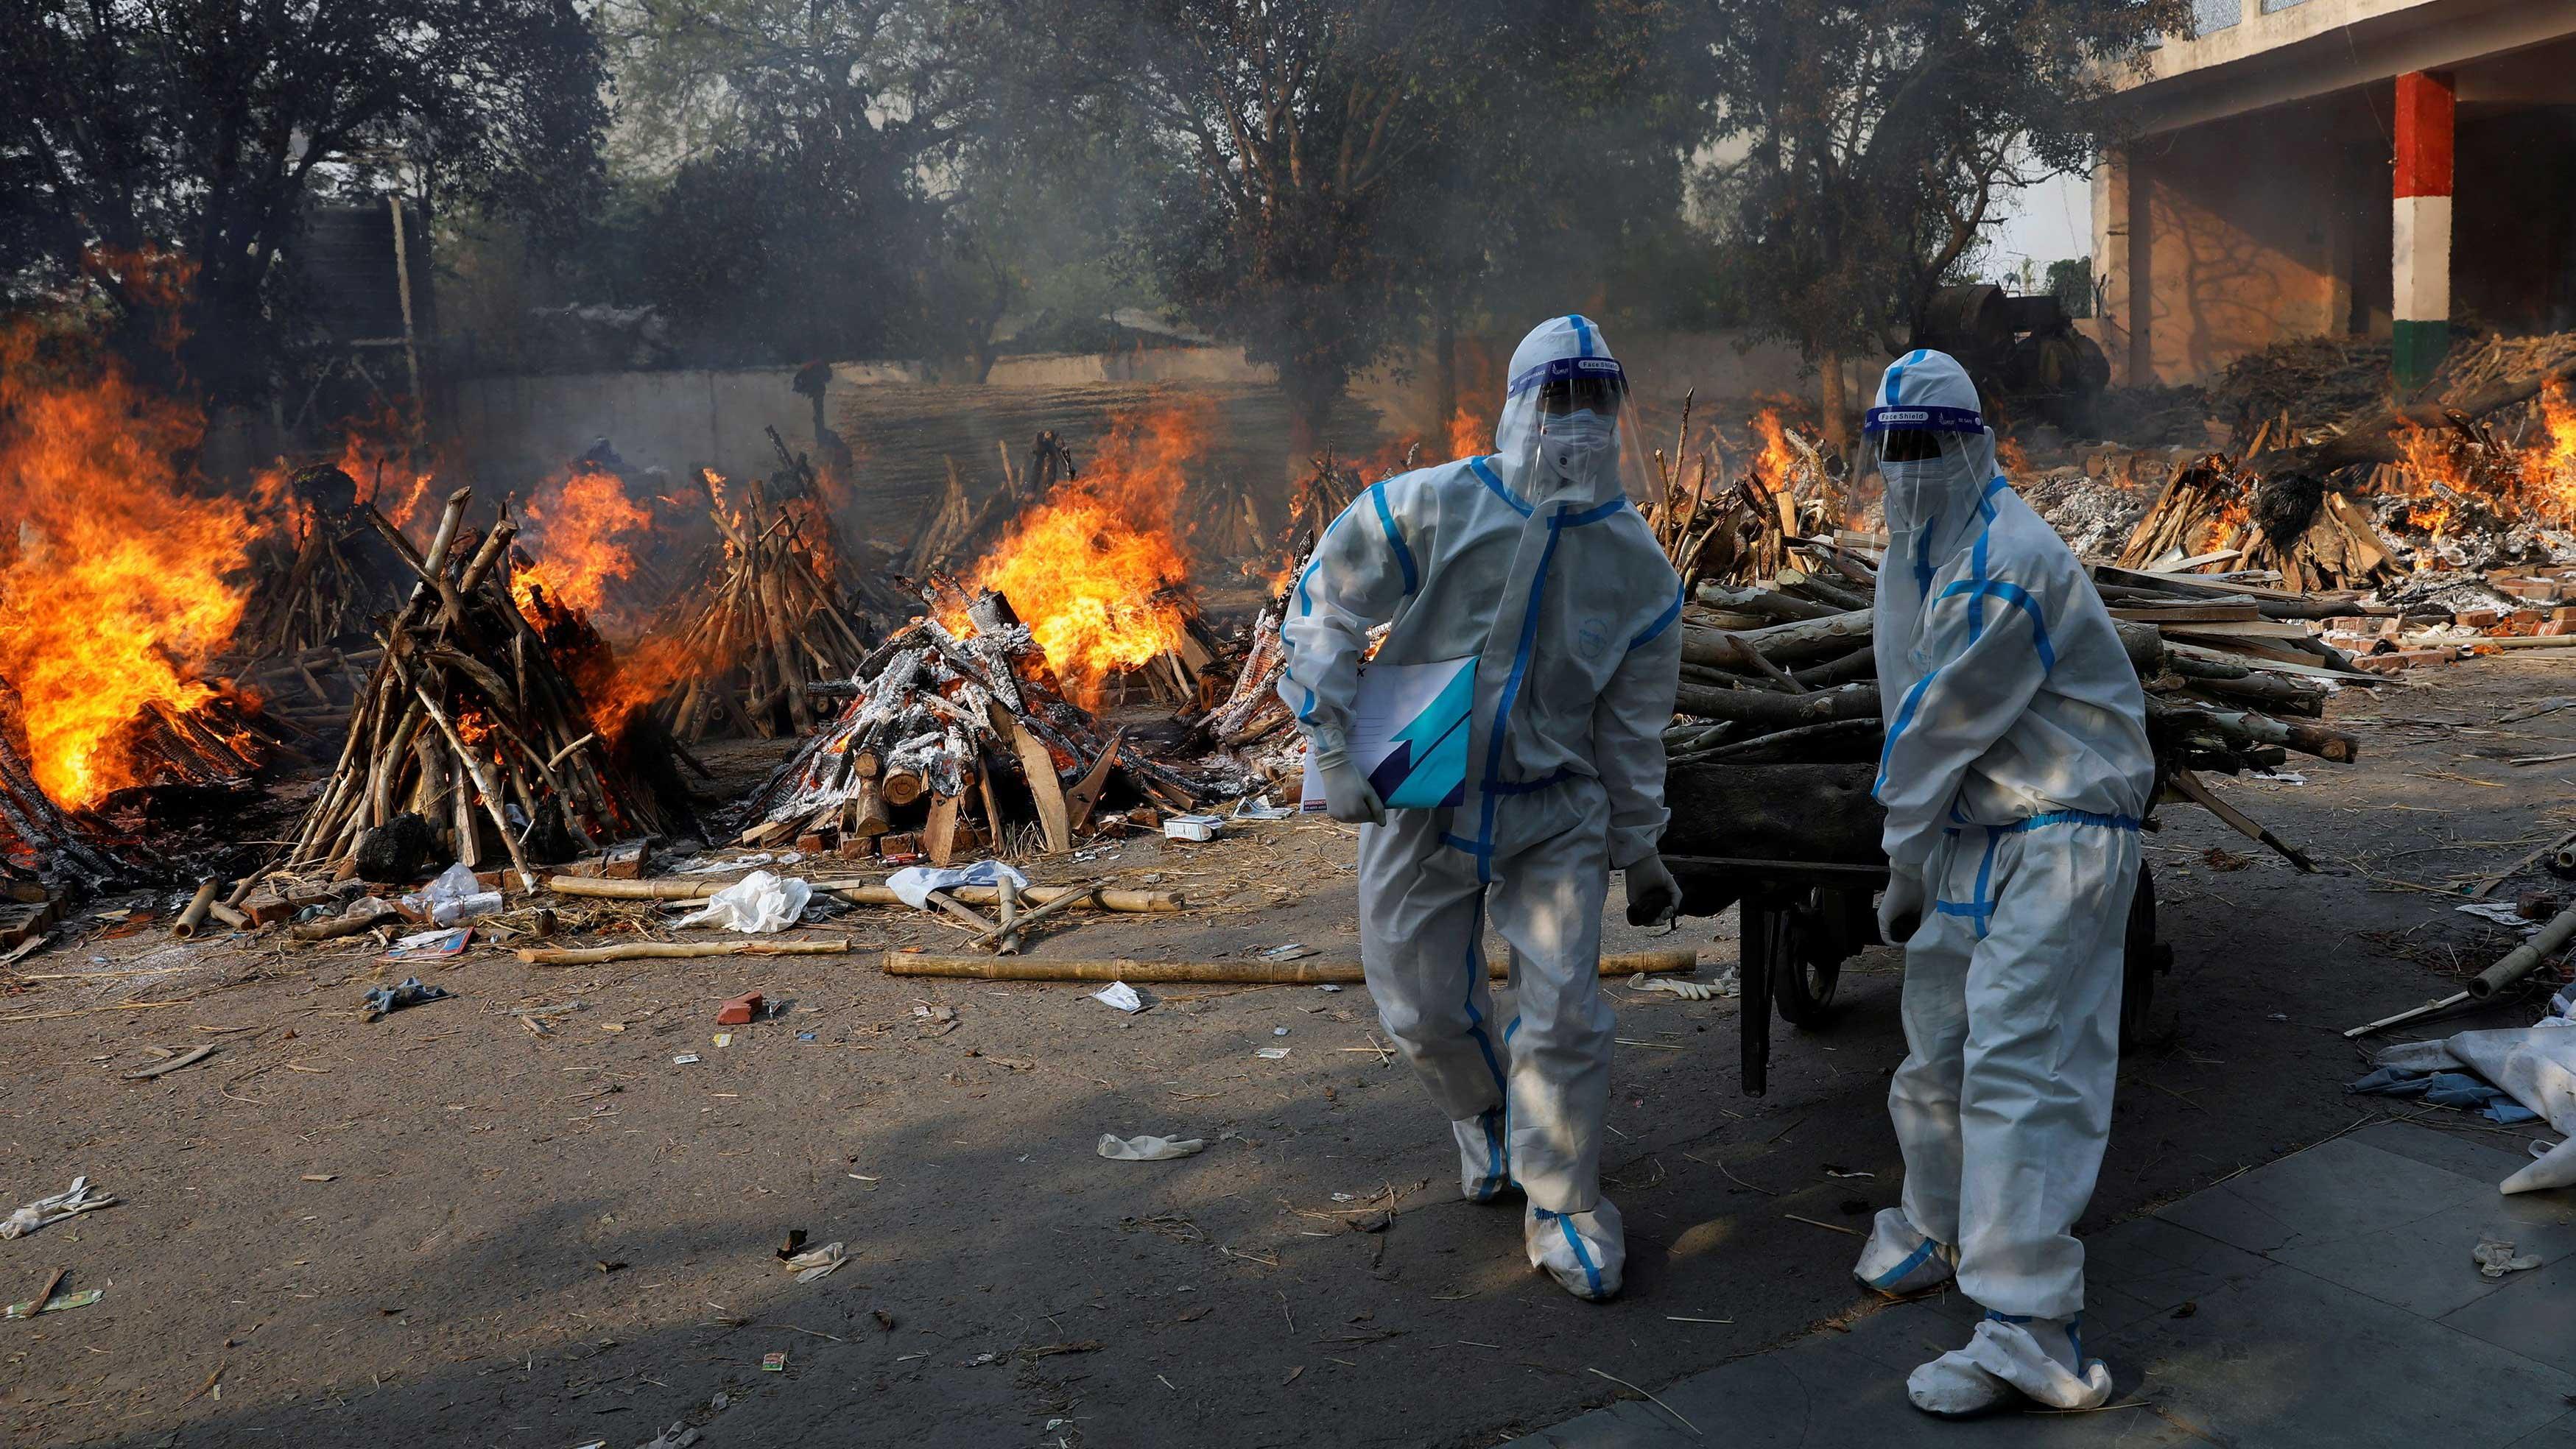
445,1228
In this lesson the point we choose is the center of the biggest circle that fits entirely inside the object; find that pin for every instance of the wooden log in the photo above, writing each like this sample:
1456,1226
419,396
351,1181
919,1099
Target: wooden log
865,893
1221,973
675,951
903,787
1769,603
1009,937
939,833
193,919
2190,787
1808,639
1859,666
1055,820
1767,711
2256,729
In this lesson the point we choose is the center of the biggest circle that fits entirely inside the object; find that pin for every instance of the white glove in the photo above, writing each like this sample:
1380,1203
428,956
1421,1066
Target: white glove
1900,910
1348,796
1653,894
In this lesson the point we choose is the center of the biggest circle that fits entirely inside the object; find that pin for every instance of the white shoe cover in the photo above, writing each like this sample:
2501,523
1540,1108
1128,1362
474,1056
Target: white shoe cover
1484,1156
2004,1358
1900,1261
1585,1252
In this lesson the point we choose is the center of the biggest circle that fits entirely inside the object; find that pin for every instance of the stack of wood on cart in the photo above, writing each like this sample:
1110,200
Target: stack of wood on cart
1782,672
766,622
2214,514
468,724
1715,530
301,642
946,744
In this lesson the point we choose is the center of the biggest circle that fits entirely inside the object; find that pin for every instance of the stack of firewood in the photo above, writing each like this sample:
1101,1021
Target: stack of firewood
767,623
947,744
1783,672
468,723
217,744
37,837
1739,530
2214,515
305,608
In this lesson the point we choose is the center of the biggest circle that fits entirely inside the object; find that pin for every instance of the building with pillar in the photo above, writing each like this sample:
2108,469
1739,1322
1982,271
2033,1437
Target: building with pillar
2373,168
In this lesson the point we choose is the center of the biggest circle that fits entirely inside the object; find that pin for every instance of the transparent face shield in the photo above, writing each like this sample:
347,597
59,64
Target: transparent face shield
1567,422
1926,457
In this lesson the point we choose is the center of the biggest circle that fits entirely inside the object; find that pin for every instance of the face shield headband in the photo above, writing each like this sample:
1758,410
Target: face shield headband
1572,384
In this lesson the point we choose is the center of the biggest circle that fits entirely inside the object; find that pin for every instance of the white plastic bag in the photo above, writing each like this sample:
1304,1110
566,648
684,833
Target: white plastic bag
1149,1148
455,883
914,883
757,904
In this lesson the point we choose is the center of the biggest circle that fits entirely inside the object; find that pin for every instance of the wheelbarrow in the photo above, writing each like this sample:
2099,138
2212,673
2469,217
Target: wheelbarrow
1801,856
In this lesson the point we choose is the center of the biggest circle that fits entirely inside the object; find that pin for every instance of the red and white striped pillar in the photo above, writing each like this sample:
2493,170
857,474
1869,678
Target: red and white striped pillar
2422,313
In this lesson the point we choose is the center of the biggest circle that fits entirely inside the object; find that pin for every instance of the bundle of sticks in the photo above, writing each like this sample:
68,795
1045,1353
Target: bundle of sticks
468,722
307,606
767,624
1783,673
1737,530
217,744
2213,514
944,743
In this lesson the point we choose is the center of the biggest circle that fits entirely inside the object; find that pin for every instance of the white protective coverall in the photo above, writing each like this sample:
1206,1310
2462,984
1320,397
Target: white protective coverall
2015,774
1532,560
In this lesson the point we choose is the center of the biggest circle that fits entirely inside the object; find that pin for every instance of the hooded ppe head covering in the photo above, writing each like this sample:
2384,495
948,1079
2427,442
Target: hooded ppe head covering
1931,444
1564,433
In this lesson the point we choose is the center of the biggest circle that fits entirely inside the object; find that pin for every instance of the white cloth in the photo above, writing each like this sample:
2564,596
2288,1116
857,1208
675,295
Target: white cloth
757,904
2006,689
913,884
2012,1019
2536,1065
1586,1252
1899,1260
1534,563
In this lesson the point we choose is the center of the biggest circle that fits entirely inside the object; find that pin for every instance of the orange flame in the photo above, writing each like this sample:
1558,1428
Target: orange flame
1777,458
1469,435
2008,453
581,532
1090,568
113,583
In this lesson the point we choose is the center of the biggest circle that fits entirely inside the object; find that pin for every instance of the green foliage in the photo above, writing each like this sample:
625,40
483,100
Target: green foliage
2071,282
204,128
1870,140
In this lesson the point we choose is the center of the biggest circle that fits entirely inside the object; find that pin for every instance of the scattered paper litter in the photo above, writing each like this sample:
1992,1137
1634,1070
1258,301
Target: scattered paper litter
1149,1148
1271,1053
2502,913
1121,995
79,1198
2276,777
1258,807
757,904
1293,951
814,1263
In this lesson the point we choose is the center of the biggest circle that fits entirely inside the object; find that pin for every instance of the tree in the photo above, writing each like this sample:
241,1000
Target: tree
205,127
1870,141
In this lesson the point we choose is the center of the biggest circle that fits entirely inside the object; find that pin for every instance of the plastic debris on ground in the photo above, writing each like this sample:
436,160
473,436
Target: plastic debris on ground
773,1363
2457,1090
759,904
453,898
685,1059
57,1303
1293,951
2495,1259
814,1263
1271,1054
72,1201
913,884
1149,1148
2502,913
429,945
1258,807
678,1436
409,991
1121,995
1192,827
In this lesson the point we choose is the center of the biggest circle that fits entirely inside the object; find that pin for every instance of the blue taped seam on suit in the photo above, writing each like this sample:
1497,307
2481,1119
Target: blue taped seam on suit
1486,475
2019,598
1403,555
1306,607
1662,622
1911,1261
1475,1018
1582,334
1503,706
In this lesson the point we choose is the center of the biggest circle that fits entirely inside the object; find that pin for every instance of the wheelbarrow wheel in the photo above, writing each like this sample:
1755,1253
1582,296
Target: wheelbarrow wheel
2145,958
1804,968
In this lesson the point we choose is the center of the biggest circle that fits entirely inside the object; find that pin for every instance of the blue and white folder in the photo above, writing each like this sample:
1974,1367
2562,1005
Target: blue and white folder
1409,732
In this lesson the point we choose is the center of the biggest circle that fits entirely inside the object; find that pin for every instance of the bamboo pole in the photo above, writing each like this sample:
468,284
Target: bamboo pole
193,919
1219,973
676,951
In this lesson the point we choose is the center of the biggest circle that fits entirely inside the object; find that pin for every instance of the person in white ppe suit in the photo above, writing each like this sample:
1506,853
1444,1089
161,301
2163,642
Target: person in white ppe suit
1532,562
2015,775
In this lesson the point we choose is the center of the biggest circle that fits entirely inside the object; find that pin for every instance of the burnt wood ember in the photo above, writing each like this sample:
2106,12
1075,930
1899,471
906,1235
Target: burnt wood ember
37,837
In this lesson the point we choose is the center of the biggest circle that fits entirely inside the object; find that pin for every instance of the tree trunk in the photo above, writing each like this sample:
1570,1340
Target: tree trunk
1311,395
1444,367
1829,396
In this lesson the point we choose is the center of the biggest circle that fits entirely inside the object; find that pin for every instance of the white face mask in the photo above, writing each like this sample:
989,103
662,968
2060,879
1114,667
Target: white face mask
1572,440
1913,491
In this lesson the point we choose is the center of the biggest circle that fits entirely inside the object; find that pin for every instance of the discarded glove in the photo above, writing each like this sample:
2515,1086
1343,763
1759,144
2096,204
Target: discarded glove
79,1198
814,1263
2496,1259
1723,988
408,992
1149,1149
